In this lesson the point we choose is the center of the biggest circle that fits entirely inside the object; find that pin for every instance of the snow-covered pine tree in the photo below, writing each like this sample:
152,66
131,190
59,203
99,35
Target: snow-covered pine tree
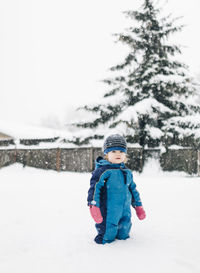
151,95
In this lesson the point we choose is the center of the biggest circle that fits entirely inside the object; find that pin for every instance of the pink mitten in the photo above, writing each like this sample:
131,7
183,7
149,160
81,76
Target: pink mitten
140,212
96,214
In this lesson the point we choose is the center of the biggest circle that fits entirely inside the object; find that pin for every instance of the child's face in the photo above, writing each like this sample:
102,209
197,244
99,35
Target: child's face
116,157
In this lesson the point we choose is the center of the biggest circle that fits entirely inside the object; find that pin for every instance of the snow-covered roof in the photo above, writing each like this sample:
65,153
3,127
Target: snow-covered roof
4,136
25,131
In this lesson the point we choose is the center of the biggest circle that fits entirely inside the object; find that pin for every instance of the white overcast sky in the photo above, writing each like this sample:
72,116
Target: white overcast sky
53,53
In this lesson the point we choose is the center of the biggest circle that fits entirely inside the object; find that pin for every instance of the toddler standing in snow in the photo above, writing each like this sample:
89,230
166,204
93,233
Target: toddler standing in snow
112,192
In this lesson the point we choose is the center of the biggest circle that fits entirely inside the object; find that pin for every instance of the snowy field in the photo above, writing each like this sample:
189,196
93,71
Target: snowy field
45,225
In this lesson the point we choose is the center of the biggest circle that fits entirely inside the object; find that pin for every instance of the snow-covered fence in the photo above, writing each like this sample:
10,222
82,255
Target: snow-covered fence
60,159
64,159
180,160
7,157
38,158
82,159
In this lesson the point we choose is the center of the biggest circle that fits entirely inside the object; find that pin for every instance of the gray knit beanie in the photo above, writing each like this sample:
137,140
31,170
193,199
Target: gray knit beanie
115,143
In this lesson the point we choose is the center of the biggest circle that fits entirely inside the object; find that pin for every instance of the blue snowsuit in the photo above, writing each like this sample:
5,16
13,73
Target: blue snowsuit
112,190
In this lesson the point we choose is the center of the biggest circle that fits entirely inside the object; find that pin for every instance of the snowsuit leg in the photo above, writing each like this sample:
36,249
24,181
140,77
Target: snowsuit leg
124,227
111,232
107,232
101,228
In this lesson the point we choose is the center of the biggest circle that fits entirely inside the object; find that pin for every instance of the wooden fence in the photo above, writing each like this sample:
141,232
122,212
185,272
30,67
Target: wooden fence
82,159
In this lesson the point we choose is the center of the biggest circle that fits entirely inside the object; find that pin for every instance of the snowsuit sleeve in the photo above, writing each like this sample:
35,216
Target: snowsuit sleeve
136,201
96,184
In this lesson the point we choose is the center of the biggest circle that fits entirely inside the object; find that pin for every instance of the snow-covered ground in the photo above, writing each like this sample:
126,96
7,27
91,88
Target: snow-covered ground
45,225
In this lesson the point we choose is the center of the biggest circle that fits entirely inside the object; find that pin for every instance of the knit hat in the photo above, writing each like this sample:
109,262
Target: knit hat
115,143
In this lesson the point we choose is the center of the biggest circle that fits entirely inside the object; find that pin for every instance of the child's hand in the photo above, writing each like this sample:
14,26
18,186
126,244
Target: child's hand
96,214
140,212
